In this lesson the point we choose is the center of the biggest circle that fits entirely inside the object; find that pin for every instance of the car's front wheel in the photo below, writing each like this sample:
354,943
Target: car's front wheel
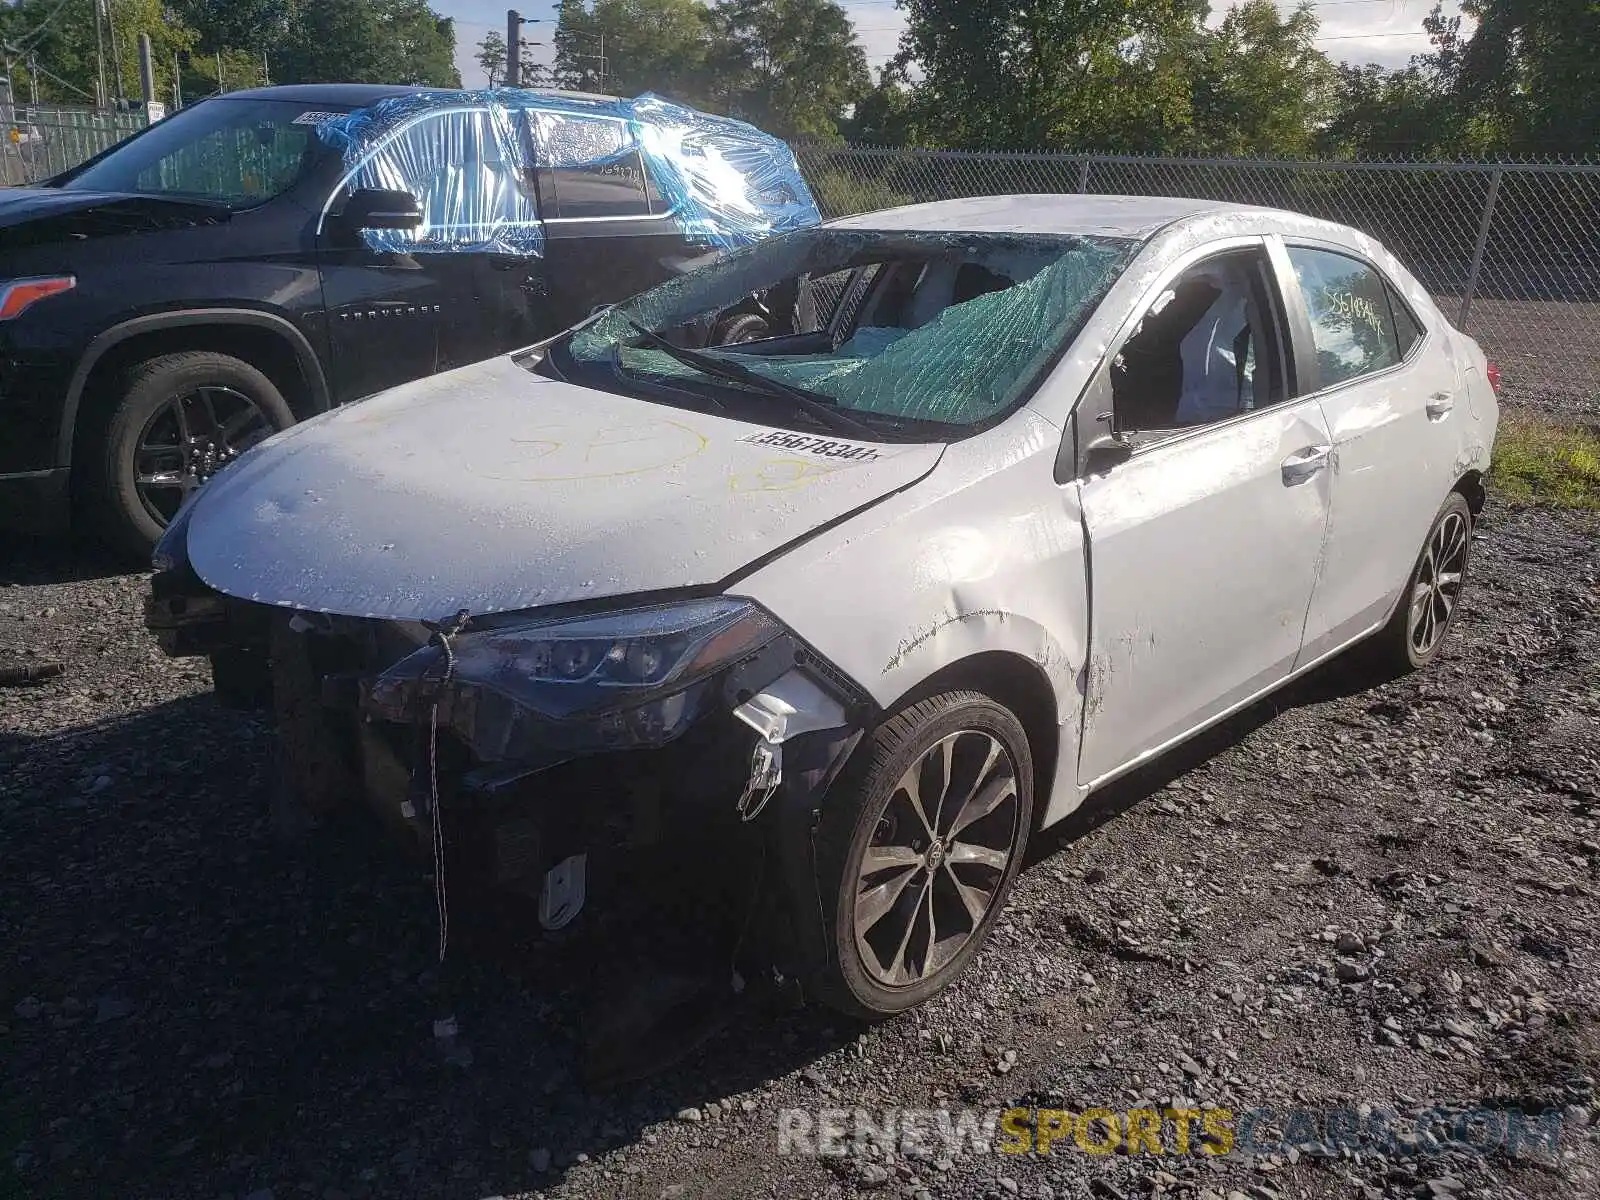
179,419
918,850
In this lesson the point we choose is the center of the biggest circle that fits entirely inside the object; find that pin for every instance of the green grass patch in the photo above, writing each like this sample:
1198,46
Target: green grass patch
1541,461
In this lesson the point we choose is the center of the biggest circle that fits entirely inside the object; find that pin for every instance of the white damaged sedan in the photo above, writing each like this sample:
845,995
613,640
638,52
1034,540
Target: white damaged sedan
1014,494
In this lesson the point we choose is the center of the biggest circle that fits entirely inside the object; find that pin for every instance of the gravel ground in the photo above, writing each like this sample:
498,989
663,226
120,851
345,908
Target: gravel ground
1342,896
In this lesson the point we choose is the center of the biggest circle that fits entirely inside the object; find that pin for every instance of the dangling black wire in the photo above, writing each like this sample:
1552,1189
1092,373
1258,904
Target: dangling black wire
441,634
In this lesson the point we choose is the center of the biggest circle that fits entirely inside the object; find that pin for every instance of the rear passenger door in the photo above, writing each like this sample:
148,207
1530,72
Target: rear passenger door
1387,393
609,232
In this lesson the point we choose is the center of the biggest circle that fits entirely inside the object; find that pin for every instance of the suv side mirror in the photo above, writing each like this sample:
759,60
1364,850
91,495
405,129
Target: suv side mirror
380,208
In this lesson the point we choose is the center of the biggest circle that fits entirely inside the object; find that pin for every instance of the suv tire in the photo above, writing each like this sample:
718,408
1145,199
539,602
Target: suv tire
240,404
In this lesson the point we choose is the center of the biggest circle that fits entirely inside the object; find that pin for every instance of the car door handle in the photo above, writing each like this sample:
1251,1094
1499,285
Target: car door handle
1439,405
1298,468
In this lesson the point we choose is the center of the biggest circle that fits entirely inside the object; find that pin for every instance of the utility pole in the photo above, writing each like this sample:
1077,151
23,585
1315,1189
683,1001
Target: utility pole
101,96
147,70
513,48
154,110
514,23
118,80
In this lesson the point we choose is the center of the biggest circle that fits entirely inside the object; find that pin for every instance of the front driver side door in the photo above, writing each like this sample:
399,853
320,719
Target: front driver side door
1203,544
407,303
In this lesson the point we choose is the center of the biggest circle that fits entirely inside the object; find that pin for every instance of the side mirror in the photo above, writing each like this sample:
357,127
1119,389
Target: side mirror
1105,451
380,208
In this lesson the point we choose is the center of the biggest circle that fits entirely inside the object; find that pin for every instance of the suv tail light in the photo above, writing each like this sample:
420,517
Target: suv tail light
1494,377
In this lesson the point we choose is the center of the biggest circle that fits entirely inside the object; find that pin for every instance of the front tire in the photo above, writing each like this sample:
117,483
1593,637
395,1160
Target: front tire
1428,606
180,419
919,849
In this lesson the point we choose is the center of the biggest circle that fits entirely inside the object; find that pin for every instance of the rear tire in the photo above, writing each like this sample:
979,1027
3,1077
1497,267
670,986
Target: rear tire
132,438
946,870
1431,599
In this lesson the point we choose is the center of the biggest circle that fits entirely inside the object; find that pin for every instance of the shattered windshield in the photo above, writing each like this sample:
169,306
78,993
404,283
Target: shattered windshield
236,152
950,329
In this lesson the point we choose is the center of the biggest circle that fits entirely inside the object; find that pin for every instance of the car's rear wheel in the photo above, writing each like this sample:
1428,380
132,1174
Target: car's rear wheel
179,420
918,851
1428,606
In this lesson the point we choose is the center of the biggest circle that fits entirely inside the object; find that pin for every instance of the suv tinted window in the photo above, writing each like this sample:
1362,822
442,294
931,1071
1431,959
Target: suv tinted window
611,183
1352,324
239,152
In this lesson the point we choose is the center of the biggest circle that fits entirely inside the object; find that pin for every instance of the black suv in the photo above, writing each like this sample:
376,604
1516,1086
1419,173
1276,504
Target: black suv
262,256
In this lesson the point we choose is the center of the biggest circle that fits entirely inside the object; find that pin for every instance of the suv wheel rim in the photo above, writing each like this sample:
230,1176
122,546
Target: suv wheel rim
931,871
188,440
1438,584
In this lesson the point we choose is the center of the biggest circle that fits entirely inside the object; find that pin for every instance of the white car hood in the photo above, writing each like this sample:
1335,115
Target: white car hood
492,489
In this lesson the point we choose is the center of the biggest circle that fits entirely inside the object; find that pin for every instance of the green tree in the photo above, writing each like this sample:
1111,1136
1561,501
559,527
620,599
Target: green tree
1384,113
1534,65
793,67
368,41
58,53
259,25
1056,74
1261,86
883,116
491,56
1526,80
625,47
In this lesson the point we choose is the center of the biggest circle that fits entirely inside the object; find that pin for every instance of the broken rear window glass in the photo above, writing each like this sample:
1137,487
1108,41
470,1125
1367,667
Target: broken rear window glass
952,329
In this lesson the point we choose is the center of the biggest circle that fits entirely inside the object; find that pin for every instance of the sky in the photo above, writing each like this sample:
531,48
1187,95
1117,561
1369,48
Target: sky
1360,31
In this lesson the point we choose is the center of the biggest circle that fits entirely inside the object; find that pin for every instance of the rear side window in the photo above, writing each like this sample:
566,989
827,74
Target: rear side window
589,167
1353,325
1407,329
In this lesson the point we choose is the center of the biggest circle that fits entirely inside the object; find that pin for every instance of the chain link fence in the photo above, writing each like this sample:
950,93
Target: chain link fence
40,141
1510,251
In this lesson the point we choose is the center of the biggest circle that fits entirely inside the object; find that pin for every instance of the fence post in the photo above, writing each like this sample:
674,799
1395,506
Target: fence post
1477,249
1083,176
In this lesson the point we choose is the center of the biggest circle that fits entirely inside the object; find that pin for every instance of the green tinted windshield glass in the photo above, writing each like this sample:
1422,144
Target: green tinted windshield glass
951,328
237,152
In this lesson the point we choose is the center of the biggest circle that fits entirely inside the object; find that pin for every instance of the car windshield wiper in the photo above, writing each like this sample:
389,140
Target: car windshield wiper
818,408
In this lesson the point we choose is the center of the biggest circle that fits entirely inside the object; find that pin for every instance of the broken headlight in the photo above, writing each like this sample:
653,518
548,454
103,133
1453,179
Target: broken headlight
632,678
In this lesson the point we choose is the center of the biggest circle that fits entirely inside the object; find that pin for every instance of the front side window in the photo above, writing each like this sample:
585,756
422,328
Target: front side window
1208,349
459,167
947,331
588,167
1352,323
235,152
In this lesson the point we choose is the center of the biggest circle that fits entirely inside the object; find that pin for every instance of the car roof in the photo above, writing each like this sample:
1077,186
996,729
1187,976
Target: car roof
359,95
1110,216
